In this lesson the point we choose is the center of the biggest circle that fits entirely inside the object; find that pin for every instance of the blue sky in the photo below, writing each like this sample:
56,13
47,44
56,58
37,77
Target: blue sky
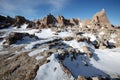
83,9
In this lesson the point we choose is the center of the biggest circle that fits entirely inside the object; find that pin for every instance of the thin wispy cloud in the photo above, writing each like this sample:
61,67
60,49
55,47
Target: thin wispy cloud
29,7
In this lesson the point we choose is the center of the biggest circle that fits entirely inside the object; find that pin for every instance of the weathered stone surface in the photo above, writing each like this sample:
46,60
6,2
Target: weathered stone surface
101,17
87,51
68,38
15,36
100,20
19,20
62,22
74,22
81,78
6,22
85,23
82,38
19,67
48,21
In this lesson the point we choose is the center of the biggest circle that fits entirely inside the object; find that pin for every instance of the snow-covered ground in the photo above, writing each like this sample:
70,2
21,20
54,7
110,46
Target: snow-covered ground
92,37
108,60
52,70
45,33
78,45
103,62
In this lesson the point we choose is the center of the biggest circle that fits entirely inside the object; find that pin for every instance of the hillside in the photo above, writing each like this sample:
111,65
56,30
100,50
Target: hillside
56,48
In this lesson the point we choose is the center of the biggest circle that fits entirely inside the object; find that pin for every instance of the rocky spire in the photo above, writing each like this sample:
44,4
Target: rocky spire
101,17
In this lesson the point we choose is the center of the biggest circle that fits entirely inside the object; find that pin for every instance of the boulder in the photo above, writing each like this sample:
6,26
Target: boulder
87,51
81,78
15,36
63,54
96,44
68,38
82,38
102,46
19,67
100,78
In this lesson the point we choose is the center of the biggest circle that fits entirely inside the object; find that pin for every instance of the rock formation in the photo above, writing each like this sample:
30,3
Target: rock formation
19,20
5,22
62,22
100,19
60,50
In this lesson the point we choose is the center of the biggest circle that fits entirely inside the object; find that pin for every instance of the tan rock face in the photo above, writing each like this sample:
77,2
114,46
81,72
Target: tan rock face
86,22
73,21
48,21
87,51
51,19
62,21
20,67
100,19
19,20
81,78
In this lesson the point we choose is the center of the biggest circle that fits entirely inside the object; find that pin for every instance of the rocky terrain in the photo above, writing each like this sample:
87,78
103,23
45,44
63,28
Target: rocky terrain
56,48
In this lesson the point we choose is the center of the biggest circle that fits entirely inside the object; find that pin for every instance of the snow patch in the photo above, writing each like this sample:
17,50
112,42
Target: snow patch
35,52
29,31
92,37
108,60
88,26
101,33
51,71
77,67
32,44
78,45
113,35
65,34
80,25
112,41
45,33
39,57
24,26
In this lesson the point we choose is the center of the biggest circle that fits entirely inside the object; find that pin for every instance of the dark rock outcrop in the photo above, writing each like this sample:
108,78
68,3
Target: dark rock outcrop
48,21
74,22
81,78
62,22
15,36
5,22
19,20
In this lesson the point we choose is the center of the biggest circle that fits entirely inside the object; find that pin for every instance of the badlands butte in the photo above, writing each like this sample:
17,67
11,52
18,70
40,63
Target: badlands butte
56,48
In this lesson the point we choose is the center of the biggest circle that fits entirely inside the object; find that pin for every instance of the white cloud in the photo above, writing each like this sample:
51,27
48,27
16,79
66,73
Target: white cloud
29,7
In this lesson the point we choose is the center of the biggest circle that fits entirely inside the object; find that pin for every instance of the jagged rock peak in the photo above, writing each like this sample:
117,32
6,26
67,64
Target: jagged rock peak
62,21
101,17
